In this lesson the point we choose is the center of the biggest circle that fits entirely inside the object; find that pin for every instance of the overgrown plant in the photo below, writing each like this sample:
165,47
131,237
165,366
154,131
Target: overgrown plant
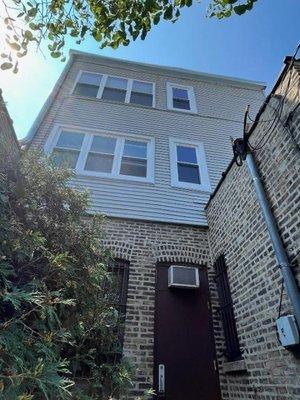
109,22
59,327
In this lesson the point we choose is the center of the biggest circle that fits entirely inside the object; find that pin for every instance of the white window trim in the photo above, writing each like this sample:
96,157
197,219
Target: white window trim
191,96
128,89
86,144
201,161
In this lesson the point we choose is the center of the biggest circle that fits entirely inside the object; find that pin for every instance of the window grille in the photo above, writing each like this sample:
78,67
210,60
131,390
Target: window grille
233,351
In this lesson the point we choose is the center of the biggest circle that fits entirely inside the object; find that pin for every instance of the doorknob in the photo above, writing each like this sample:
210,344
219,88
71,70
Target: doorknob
161,379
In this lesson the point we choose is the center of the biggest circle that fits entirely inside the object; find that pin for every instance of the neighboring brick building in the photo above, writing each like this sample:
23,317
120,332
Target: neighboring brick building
9,145
237,230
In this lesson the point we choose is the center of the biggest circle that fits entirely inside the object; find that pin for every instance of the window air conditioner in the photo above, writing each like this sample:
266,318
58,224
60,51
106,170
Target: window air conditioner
180,276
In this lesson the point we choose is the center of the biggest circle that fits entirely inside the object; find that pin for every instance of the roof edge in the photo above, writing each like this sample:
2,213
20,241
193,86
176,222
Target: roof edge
180,71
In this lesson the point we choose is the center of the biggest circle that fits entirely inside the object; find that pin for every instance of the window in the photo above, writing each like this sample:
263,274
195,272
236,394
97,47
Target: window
188,165
88,84
181,98
104,154
67,149
115,88
233,351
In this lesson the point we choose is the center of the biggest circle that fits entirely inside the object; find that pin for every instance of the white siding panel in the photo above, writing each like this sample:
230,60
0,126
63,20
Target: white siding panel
220,114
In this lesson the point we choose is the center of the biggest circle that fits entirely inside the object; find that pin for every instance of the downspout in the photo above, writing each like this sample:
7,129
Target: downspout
282,259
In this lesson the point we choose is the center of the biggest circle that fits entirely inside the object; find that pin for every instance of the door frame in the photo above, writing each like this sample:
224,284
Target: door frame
215,360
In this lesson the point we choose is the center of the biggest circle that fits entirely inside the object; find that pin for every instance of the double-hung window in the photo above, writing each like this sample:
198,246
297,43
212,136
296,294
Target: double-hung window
113,88
188,165
104,154
181,98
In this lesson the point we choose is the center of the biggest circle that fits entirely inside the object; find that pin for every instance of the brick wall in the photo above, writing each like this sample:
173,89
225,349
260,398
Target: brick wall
237,229
9,146
144,244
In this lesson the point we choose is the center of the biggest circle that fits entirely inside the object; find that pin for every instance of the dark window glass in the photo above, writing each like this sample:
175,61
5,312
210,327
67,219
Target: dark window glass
133,167
99,162
142,93
188,173
88,84
233,351
70,140
181,99
186,154
115,89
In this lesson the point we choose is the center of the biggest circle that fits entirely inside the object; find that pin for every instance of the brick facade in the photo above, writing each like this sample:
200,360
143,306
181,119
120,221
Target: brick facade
237,229
144,244
9,146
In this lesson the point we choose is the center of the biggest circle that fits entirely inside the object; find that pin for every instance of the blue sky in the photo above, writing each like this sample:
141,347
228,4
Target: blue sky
252,46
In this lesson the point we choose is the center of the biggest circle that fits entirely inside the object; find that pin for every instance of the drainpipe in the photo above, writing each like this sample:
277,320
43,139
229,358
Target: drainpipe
282,259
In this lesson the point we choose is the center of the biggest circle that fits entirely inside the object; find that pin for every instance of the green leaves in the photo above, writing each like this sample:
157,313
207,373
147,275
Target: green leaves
226,8
58,318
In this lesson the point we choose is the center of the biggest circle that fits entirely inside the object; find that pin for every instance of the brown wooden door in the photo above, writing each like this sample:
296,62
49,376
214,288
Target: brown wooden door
184,341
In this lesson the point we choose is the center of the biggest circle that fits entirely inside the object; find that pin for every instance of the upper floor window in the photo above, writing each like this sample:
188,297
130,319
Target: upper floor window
181,98
115,88
188,165
104,155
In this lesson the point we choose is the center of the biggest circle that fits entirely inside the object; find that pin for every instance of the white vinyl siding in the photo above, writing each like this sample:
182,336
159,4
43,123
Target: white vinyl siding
102,154
220,110
114,88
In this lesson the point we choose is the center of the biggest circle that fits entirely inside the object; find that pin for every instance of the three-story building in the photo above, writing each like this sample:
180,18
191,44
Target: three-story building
150,143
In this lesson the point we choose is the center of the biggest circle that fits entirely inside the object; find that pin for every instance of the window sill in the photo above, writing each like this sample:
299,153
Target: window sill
199,188
114,178
235,367
183,111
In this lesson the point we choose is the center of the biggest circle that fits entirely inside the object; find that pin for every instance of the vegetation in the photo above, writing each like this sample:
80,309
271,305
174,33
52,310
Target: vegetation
59,327
110,22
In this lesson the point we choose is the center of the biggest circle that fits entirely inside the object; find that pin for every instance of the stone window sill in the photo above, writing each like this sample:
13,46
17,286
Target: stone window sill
235,367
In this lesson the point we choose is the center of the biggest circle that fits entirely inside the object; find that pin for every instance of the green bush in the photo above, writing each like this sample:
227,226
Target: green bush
59,329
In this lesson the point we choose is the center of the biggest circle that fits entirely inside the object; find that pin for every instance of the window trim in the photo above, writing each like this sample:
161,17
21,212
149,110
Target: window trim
103,83
86,145
191,96
201,161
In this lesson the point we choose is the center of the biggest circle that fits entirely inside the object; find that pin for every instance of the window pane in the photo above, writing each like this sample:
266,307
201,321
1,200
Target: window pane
116,83
65,158
181,104
99,162
114,94
142,87
86,90
90,79
133,167
186,154
135,149
103,144
70,140
141,98
181,94
188,173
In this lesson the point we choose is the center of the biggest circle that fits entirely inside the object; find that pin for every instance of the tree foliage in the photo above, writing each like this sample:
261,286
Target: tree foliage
110,22
58,323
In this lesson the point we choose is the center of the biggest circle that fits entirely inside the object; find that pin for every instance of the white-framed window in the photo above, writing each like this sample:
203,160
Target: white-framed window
181,98
188,165
103,154
114,88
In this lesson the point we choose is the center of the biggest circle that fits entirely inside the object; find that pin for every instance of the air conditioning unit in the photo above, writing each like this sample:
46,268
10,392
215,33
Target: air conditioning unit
180,276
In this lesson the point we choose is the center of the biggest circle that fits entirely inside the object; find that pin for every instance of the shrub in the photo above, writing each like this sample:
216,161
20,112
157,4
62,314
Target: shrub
59,328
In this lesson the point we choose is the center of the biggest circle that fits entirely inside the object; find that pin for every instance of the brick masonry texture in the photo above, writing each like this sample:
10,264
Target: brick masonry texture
144,244
8,141
237,229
